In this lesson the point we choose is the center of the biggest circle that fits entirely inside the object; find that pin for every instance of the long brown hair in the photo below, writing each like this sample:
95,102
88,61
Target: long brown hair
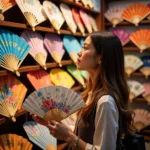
110,77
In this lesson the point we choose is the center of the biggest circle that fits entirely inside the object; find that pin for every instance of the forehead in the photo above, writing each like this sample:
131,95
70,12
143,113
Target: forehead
88,40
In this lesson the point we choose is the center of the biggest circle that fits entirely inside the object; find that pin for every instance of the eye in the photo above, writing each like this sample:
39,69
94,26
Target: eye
85,47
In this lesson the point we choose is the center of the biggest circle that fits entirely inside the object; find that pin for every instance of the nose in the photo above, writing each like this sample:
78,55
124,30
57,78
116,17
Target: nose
79,54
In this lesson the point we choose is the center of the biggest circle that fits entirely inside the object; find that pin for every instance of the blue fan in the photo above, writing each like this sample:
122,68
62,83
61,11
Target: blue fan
72,46
13,50
146,67
82,39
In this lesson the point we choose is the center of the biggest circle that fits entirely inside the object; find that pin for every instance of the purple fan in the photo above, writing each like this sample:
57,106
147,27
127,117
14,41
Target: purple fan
149,8
123,35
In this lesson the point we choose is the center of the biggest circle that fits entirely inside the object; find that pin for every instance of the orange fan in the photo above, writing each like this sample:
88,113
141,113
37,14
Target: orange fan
39,79
14,142
141,39
136,13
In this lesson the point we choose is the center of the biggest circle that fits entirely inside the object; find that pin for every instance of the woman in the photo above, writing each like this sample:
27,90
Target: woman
106,96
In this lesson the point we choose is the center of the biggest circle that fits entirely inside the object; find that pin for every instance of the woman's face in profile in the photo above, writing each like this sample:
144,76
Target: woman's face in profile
87,59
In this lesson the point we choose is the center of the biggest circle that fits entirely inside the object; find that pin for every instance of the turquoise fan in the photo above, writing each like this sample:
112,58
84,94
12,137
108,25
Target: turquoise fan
13,50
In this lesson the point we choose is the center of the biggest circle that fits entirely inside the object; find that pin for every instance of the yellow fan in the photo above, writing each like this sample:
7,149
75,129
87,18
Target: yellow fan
33,11
61,78
12,93
14,142
141,119
141,39
136,13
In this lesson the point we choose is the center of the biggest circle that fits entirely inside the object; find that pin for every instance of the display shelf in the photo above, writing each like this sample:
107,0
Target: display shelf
77,88
37,67
134,48
2,120
20,113
137,74
140,100
78,4
37,28
144,22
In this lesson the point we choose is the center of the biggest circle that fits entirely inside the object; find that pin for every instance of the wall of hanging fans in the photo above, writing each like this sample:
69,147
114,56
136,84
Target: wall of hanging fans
36,13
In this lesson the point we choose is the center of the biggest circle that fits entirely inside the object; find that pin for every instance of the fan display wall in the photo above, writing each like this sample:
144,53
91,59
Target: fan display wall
45,55
138,102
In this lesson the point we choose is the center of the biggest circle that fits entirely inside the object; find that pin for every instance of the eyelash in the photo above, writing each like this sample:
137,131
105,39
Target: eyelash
84,47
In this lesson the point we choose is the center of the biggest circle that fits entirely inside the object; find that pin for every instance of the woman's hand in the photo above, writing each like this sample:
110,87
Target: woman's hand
39,120
61,131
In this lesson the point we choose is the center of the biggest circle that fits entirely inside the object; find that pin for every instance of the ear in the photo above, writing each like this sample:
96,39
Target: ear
98,59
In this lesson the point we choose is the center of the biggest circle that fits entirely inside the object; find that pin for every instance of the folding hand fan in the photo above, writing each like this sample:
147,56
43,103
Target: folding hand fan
123,35
85,20
93,23
149,8
76,74
135,13
146,67
54,15
141,39
114,15
1,15
6,4
40,135
84,74
82,39
33,11
12,93
136,89
61,77
67,13
84,2
97,5
39,79
13,50
78,20
54,45
14,142
146,93
53,103
89,3
72,46
37,51
141,119
132,63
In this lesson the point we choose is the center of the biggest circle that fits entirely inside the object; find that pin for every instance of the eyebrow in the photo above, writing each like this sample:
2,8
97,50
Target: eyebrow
85,44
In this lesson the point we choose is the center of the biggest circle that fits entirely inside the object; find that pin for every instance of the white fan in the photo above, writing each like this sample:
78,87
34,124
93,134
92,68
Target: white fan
136,89
93,22
141,119
53,103
40,135
33,11
54,15
132,63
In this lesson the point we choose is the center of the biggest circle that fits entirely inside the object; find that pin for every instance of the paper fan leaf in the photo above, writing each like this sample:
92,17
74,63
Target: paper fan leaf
67,13
40,135
54,45
54,15
37,51
76,74
141,119
146,67
149,8
141,39
33,11
114,15
132,63
78,20
93,22
13,50
82,39
85,20
97,5
13,142
12,93
90,3
84,2
146,93
72,46
39,79
61,78
6,4
136,89
135,13
53,103
123,35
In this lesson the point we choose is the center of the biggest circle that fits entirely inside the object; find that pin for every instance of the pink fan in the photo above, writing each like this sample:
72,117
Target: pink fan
123,35
146,94
39,79
54,45
149,8
37,51
85,20
78,20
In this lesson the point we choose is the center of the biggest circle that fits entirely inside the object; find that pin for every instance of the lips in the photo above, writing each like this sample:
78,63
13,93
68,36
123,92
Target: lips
78,60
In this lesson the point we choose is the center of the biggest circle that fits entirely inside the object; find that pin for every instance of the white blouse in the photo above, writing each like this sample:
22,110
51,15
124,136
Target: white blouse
106,125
